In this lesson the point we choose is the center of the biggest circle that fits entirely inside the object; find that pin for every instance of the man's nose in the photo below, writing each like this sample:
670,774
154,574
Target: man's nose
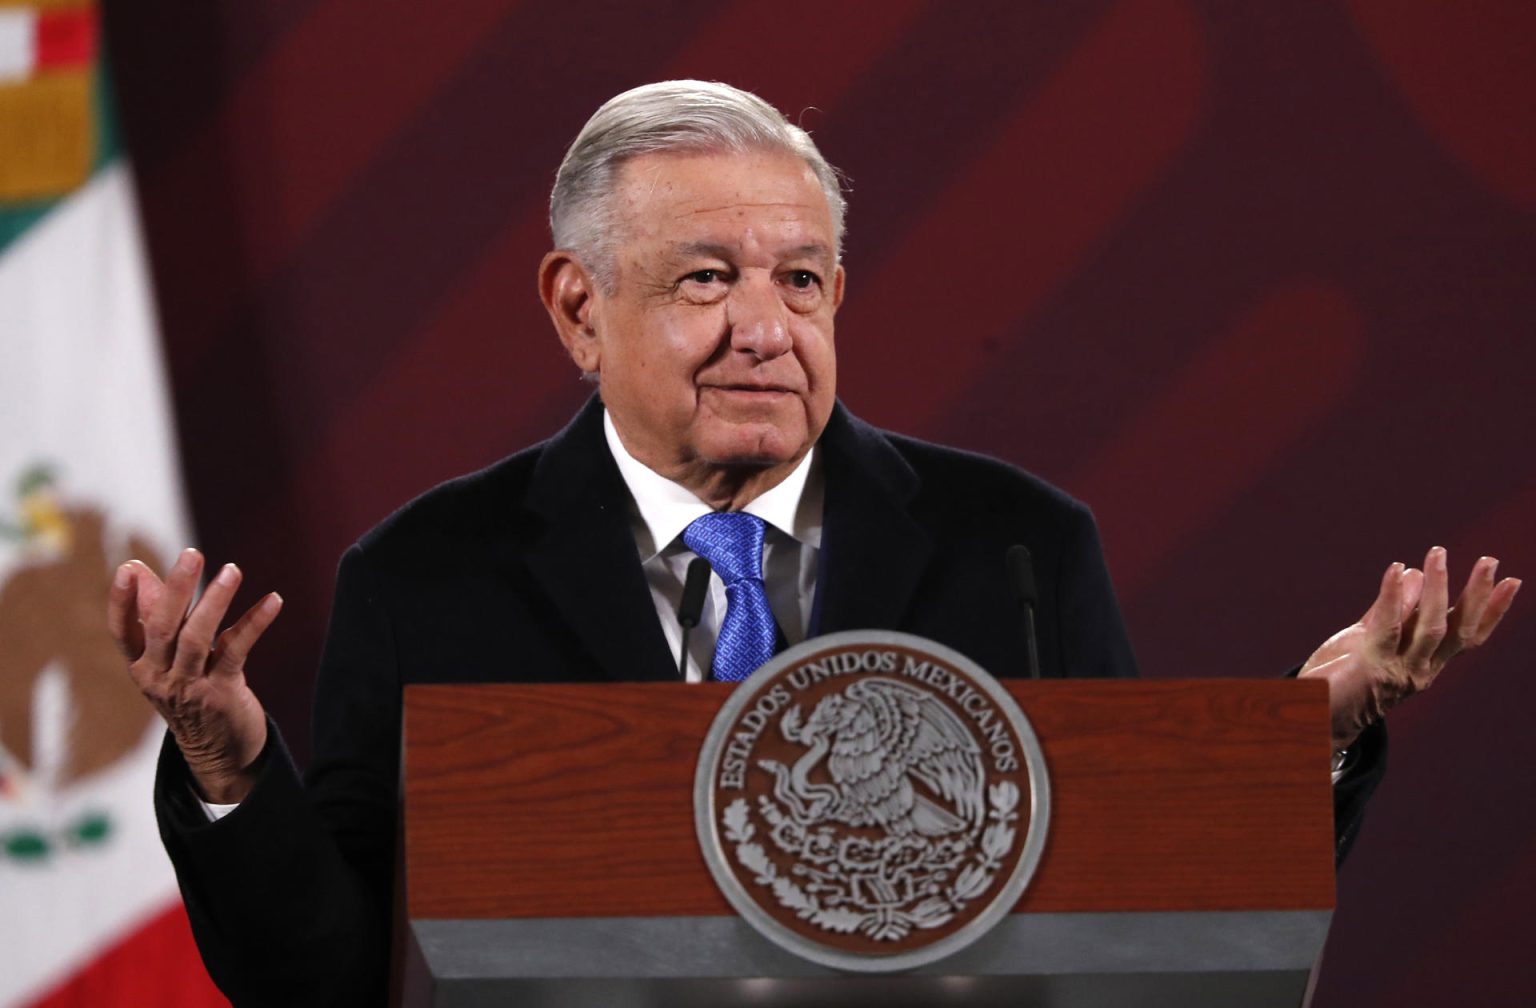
758,318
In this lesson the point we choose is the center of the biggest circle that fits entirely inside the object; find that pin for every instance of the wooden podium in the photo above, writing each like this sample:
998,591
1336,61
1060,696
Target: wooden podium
550,856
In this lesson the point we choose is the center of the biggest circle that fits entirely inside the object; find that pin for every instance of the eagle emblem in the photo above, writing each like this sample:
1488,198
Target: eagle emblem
870,800
896,757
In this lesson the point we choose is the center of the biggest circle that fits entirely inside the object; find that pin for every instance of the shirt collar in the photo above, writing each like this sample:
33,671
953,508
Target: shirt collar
664,508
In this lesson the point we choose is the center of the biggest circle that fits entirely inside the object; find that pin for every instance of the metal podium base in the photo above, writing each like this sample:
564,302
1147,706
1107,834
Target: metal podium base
1081,960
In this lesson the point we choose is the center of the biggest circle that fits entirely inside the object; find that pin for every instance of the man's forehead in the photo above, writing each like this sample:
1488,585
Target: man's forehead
698,197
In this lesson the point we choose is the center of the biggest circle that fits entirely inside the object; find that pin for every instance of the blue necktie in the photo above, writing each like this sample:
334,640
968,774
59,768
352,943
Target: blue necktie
732,542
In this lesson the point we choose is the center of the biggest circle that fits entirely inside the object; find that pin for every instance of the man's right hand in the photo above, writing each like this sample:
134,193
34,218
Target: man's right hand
192,674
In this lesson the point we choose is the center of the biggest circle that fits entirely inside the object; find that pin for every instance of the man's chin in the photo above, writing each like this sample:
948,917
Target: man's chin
754,446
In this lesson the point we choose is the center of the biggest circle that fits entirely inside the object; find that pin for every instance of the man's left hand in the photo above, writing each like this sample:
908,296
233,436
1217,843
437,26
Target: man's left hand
1403,641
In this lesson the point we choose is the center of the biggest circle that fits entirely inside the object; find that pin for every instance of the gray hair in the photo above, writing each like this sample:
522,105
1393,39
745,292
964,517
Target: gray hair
683,116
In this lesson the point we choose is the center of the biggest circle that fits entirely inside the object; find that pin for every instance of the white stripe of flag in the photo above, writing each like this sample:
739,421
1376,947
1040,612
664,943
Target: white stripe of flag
18,43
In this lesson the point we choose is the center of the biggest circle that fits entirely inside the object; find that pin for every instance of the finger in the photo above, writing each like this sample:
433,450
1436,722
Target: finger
131,605
147,588
236,642
1467,614
196,638
1499,601
1384,619
1413,591
1430,619
123,613
170,609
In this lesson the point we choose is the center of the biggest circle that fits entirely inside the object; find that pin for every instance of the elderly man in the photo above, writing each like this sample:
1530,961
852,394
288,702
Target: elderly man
695,279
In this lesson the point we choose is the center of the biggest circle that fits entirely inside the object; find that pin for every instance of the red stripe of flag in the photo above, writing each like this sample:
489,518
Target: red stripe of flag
157,964
66,39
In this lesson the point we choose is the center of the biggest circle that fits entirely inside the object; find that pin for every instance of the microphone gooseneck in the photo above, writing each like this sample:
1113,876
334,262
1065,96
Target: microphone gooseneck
1021,573
695,584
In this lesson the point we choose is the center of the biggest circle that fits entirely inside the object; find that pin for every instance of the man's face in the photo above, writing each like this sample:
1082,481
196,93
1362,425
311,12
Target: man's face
714,349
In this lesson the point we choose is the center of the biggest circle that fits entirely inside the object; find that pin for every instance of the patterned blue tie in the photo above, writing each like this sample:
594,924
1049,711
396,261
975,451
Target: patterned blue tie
732,542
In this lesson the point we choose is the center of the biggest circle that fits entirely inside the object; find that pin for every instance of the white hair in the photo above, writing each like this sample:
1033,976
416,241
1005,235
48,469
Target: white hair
682,116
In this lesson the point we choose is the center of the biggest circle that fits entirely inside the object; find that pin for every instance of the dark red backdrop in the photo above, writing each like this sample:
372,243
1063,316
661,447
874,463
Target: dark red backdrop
1254,280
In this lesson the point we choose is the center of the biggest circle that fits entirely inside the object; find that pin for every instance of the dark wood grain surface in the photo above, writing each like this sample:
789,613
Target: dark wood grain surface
559,800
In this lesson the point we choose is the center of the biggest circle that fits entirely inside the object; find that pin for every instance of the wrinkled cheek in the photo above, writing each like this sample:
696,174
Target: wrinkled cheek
819,405
822,374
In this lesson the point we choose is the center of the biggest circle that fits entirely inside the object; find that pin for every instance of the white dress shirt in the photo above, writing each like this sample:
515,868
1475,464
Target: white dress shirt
659,512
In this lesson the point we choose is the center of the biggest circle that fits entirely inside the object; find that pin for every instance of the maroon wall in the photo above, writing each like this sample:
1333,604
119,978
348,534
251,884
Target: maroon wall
1256,280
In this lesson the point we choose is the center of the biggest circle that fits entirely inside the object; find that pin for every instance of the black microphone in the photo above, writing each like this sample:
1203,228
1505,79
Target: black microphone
695,584
1021,571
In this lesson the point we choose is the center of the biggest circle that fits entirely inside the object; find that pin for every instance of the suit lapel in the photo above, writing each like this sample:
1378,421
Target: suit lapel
584,556
583,552
874,552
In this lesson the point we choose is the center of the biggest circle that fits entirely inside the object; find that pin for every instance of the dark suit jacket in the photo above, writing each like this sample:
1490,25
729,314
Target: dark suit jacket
528,572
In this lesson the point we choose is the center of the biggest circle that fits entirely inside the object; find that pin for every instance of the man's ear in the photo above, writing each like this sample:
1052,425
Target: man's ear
568,290
839,281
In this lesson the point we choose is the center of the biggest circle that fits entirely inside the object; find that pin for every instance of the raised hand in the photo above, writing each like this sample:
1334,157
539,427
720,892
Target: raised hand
193,674
1406,637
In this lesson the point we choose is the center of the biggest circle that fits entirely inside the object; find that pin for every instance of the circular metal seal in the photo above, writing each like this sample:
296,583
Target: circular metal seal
871,801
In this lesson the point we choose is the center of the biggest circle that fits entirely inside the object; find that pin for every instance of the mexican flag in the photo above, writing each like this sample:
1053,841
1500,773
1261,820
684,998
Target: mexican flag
89,913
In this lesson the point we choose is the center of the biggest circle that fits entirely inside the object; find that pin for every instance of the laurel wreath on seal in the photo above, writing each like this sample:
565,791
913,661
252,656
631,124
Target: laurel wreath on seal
885,923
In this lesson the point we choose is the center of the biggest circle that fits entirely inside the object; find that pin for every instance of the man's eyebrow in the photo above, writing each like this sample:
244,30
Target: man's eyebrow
811,250
716,250
703,250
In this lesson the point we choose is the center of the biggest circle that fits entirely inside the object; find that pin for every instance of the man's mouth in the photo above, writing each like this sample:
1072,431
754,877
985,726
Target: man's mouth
745,389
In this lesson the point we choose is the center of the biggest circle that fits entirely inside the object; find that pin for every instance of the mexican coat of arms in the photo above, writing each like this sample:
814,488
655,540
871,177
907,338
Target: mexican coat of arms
871,801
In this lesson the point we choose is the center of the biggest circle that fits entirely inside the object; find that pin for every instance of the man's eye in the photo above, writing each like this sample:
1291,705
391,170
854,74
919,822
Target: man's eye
803,279
704,276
